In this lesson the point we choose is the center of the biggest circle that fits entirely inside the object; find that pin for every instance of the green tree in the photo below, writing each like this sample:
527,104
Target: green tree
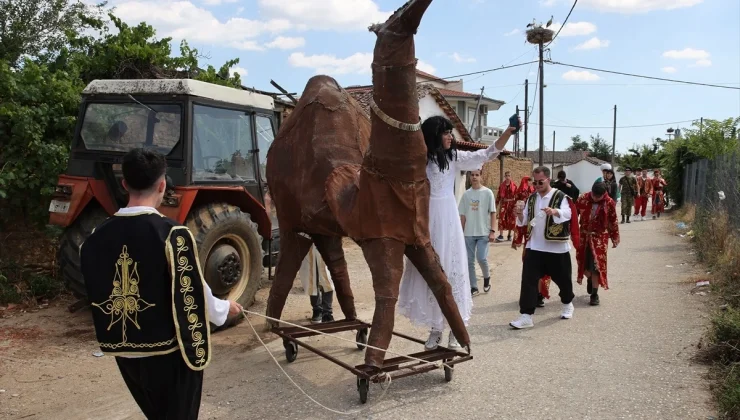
39,28
600,149
578,144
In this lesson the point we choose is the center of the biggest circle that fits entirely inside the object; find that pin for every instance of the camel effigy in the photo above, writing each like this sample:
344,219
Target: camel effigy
333,173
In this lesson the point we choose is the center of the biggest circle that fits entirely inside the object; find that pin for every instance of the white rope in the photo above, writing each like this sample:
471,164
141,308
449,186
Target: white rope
387,380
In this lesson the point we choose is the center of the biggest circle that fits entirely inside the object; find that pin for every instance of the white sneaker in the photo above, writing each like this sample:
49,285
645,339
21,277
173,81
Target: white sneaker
567,312
453,344
524,321
435,337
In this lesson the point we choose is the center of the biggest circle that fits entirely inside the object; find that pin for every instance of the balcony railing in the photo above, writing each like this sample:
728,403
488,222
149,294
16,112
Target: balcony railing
487,134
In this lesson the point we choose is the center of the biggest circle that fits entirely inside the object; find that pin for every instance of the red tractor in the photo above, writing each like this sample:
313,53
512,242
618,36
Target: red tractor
216,140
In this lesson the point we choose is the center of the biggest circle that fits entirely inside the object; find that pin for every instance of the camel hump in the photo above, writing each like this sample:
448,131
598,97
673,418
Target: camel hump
342,187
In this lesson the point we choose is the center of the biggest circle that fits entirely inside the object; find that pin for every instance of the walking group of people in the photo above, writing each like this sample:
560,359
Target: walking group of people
127,252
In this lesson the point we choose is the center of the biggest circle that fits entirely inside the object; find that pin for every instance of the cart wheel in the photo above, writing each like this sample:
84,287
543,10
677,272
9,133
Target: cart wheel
448,372
291,351
361,337
363,386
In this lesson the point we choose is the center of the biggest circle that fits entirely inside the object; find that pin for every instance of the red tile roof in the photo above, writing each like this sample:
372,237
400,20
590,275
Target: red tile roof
448,92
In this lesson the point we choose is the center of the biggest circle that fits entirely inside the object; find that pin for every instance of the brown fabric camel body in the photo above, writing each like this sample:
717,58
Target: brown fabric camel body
334,173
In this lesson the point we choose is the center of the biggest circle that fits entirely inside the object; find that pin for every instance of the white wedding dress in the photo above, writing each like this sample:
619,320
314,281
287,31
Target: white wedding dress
416,300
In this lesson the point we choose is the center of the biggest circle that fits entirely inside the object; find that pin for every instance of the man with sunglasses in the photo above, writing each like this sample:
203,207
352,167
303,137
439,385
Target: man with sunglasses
547,215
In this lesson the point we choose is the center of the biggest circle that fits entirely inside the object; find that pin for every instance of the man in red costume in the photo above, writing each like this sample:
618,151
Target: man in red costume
598,223
645,188
505,201
658,194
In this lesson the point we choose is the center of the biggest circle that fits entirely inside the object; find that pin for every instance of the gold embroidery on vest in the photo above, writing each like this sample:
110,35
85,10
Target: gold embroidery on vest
183,267
124,302
556,229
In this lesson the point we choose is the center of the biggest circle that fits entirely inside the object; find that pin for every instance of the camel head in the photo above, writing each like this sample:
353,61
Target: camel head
395,43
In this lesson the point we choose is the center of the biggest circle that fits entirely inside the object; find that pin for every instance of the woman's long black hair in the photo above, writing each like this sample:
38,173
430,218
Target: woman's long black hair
433,128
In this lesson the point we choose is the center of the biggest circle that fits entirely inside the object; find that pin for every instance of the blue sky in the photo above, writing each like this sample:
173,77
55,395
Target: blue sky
291,40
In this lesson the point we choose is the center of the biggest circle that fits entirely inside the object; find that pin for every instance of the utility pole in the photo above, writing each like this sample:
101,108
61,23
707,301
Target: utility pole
614,136
553,154
475,115
701,126
526,113
516,137
542,109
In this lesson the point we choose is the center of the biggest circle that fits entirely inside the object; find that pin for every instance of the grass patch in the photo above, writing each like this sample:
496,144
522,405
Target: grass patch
718,246
19,286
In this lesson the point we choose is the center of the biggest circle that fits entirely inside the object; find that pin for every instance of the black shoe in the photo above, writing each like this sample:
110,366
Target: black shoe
628,219
474,291
622,222
508,237
327,318
658,215
589,287
487,284
594,300
540,301
316,317
500,238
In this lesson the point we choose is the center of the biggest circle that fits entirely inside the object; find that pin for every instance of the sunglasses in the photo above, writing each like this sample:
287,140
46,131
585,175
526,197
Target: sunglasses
540,182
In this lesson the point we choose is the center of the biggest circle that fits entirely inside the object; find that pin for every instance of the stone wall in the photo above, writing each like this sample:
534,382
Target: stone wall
519,168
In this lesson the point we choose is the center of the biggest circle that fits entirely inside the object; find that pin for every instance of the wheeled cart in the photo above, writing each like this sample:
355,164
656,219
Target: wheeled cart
396,367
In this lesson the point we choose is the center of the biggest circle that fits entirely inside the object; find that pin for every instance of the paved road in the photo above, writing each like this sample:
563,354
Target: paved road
628,358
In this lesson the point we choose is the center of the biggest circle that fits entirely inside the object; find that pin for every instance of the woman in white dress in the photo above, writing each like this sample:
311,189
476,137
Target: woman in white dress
444,162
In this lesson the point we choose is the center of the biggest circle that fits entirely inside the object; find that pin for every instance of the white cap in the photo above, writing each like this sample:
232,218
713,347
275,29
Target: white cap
606,167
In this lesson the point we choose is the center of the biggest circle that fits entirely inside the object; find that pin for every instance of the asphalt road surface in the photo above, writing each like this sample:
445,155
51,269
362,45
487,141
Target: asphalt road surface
630,357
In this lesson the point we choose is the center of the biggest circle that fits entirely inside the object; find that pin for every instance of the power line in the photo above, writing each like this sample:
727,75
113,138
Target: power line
644,77
621,84
563,25
476,72
624,126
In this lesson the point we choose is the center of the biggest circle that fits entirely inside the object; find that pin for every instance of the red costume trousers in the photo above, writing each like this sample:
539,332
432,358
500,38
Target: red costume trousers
641,205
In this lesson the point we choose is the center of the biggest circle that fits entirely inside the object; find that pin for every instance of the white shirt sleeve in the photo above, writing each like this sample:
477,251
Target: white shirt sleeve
472,161
565,212
218,309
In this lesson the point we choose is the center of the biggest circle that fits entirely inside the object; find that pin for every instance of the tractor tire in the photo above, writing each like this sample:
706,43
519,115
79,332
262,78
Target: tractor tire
68,255
229,251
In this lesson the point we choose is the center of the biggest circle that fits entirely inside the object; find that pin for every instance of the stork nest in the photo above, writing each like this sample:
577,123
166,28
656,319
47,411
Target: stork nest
539,35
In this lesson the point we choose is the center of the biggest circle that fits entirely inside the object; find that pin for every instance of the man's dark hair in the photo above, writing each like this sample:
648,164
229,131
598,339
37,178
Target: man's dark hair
142,168
561,174
598,189
542,170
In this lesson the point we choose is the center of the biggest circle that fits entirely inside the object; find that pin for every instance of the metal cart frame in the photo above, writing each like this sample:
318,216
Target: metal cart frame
396,367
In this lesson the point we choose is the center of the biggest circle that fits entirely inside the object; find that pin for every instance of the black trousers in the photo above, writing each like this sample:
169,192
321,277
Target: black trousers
538,264
163,386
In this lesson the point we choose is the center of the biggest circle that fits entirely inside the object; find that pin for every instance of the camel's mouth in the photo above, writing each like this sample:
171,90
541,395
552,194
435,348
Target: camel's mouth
404,20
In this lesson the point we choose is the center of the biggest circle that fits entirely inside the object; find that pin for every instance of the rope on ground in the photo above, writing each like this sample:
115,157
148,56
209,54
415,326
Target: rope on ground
387,379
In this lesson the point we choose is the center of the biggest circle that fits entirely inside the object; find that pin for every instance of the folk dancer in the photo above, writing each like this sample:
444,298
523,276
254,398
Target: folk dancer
598,223
151,307
607,177
524,191
645,186
477,210
658,194
505,201
629,191
547,216
317,284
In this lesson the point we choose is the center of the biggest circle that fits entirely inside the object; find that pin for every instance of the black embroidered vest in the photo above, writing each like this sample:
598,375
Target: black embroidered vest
145,288
553,231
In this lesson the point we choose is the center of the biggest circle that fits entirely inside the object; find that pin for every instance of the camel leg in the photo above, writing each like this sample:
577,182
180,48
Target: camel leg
293,249
385,258
426,260
331,251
